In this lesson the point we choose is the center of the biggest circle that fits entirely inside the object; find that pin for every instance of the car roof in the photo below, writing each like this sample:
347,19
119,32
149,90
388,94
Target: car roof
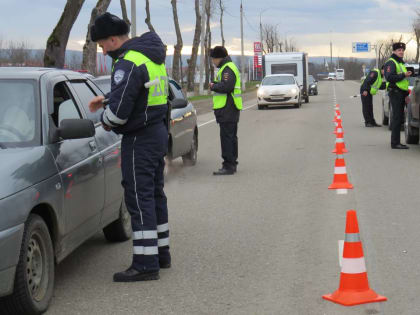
280,75
32,72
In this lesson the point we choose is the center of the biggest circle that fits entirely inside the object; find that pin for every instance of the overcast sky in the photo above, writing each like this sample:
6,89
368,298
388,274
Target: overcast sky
311,23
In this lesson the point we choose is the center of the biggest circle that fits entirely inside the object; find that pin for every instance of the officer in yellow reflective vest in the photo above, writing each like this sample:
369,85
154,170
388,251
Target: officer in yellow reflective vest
227,104
138,112
370,86
396,74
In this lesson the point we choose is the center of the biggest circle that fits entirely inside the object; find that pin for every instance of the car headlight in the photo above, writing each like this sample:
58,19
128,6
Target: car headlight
294,91
313,86
260,93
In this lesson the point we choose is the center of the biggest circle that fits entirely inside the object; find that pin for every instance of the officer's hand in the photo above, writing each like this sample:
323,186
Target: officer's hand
407,99
408,74
211,84
106,127
96,103
365,93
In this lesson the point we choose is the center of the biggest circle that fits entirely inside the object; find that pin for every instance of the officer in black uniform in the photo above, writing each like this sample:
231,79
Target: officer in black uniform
369,87
138,113
228,116
396,74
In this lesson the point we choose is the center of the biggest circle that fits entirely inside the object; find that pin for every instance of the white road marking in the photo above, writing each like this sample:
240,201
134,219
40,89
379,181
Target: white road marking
213,120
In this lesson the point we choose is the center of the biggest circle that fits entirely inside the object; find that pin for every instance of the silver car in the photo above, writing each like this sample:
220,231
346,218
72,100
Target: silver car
279,89
61,180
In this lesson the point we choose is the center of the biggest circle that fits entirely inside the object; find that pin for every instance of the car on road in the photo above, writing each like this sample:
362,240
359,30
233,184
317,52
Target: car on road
412,114
183,129
386,104
279,89
339,74
313,85
331,76
61,180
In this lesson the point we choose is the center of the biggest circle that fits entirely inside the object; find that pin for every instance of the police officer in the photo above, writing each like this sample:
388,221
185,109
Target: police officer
396,74
138,113
370,87
227,103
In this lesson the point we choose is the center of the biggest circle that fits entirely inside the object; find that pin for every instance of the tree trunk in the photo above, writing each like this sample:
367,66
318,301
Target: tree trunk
222,8
207,45
147,20
90,47
124,12
55,51
178,46
196,42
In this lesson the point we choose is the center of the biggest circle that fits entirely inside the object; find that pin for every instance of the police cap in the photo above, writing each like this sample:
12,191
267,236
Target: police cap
106,25
218,52
398,45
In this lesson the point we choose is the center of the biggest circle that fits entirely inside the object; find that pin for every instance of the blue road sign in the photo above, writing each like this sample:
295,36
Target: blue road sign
361,47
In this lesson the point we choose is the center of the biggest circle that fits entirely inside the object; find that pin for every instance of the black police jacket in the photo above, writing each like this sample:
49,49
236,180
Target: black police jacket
391,74
127,112
368,82
229,113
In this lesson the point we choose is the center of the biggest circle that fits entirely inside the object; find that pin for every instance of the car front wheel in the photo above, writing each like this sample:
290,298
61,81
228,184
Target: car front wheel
190,158
411,134
120,229
34,278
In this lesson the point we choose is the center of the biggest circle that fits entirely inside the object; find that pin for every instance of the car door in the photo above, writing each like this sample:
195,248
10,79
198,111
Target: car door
80,165
182,124
109,146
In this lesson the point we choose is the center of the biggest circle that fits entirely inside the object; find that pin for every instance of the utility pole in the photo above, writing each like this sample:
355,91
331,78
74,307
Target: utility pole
203,25
331,55
242,49
133,18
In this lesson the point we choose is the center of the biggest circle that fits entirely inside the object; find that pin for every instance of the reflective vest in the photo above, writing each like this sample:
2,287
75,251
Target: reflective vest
377,84
404,83
158,94
219,99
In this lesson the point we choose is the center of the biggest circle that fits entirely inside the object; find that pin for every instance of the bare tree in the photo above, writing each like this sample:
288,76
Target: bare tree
57,42
124,12
17,53
90,47
178,46
270,37
147,20
209,8
222,8
416,31
192,62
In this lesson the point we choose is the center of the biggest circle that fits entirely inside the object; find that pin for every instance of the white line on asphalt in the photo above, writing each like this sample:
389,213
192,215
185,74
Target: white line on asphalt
213,120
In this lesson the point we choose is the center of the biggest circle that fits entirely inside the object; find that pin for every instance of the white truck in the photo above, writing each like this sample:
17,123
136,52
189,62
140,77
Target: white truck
339,74
295,63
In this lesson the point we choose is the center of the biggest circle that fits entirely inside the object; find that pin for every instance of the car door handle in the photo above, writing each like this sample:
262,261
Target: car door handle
92,145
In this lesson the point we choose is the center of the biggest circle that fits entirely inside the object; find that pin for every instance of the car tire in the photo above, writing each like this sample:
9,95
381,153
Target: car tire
190,158
119,230
34,278
307,99
299,103
316,93
411,133
260,107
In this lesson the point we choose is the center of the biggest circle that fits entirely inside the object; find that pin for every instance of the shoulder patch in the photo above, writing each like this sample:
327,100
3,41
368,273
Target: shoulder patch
388,69
118,76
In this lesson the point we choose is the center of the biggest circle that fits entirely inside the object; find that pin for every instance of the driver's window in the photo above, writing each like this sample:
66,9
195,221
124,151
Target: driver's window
64,106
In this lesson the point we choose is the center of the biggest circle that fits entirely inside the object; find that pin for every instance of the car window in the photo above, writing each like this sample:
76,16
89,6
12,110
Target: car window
64,105
85,95
279,80
286,68
104,85
176,91
19,114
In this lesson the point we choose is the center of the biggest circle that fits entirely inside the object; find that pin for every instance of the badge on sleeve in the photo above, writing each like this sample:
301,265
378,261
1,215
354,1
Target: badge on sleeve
118,76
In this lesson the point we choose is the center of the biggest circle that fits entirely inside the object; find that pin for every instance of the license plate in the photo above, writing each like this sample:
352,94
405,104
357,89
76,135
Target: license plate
277,98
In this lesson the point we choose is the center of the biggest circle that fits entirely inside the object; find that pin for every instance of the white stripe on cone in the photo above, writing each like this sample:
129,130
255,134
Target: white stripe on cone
353,265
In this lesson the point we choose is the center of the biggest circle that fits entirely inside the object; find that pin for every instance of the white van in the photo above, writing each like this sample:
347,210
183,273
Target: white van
339,74
295,63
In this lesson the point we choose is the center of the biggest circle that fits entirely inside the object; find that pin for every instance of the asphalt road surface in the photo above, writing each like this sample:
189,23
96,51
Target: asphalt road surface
265,241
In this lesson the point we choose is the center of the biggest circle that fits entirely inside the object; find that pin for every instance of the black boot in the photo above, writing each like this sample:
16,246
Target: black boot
224,171
132,275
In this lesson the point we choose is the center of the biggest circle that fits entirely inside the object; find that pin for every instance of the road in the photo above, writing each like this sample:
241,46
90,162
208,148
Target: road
265,241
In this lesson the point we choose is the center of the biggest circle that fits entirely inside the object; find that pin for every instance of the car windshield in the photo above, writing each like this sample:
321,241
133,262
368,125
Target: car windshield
411,80
18,113
311,79
278,80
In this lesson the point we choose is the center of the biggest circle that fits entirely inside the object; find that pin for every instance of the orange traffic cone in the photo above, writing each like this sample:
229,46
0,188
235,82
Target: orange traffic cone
354,286
340,146
337,118
338,129
340,180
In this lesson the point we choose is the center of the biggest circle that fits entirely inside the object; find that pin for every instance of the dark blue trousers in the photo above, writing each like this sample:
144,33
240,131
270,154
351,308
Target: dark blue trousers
142,165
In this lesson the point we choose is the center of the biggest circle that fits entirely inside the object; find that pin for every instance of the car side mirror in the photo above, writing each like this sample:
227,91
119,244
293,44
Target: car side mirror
179,103
76,129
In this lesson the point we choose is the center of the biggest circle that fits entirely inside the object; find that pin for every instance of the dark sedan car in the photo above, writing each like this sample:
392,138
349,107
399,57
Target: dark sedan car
183,130
313,85
61,180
